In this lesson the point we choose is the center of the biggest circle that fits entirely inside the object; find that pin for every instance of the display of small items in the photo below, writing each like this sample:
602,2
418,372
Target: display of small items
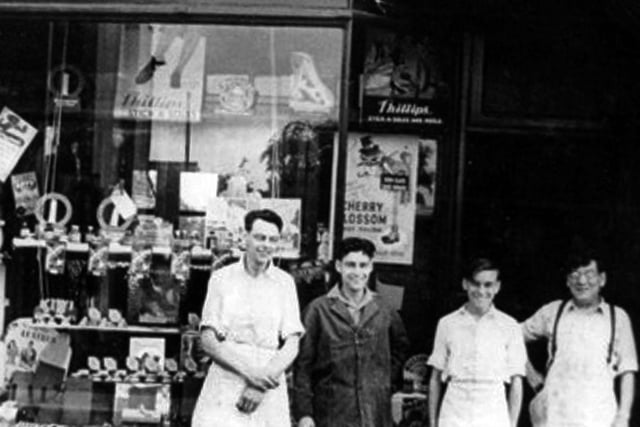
56,240
94,318
55,310
56,244
193,359
185,251
143,369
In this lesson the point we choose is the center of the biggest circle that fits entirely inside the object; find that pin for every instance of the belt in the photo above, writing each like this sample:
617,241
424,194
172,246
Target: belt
478,381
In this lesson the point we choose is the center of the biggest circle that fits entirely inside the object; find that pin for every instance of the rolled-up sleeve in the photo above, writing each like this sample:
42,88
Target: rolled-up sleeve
213,308
290,323
626,346
539,325
438,358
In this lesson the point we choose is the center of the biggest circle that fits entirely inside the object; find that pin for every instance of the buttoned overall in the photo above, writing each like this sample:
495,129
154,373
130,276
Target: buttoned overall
344,370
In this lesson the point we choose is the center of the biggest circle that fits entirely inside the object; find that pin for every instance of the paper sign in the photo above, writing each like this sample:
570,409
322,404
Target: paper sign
142,348
196,188
144,188
124,206
15,136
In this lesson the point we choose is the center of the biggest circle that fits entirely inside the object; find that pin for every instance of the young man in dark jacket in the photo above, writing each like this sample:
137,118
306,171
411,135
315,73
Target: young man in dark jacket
352,351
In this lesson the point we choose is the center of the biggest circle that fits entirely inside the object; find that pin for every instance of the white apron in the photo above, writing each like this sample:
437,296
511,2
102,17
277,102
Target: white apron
575,399
579,386
474,404
216,406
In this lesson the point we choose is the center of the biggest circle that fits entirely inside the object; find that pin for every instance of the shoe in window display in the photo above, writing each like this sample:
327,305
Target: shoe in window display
146,73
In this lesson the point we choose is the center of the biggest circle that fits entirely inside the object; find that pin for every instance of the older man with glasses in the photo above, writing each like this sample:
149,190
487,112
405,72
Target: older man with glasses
590,344
251,329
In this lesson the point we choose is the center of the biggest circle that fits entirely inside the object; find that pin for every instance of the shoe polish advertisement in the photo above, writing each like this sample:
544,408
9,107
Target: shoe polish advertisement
402,81
380,193
161,73
172,73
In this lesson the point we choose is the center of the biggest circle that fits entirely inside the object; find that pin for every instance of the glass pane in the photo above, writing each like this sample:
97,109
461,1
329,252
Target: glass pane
177,127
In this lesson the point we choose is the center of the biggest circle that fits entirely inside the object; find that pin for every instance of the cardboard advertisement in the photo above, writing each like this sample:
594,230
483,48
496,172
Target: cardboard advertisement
28,346
402,82
163,80
15,136
380,193
25,192
225,222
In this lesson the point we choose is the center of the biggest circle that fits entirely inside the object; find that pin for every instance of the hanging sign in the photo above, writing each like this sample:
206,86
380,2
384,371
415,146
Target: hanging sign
380,193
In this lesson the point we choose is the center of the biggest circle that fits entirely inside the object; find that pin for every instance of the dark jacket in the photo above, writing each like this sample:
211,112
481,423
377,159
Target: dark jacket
344,373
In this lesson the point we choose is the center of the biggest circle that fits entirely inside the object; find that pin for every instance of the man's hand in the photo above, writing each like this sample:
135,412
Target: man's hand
261,380
306,422
621,420
250,399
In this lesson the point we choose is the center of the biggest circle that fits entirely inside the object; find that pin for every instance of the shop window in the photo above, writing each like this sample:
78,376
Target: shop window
178,114
147,139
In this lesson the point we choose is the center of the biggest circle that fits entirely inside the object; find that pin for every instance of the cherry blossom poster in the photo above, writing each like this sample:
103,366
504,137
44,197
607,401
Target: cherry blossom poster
380,193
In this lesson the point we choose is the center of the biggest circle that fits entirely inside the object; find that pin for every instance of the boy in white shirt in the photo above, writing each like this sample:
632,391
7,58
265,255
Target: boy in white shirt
477,350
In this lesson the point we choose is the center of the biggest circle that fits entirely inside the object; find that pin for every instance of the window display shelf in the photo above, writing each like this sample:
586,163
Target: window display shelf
123,329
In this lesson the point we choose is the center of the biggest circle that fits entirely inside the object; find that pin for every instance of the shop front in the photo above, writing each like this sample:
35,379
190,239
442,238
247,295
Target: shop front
137,135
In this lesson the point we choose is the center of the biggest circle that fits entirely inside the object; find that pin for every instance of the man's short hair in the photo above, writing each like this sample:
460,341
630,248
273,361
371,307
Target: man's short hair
356,244
266,215
581,256
479,264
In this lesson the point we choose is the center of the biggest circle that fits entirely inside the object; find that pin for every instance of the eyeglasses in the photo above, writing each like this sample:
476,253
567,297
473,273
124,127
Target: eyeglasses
259,237
590,276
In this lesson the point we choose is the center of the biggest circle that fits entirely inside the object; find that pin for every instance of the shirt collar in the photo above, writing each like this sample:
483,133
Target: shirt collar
601,308
268,272
489,314
335,293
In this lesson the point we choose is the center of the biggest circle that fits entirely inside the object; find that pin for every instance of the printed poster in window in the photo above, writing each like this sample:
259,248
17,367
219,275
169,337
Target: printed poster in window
141,404
28,346
15,136
380,193
144,187
402,82
25,192
161,73
290,212
225,222
427,163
